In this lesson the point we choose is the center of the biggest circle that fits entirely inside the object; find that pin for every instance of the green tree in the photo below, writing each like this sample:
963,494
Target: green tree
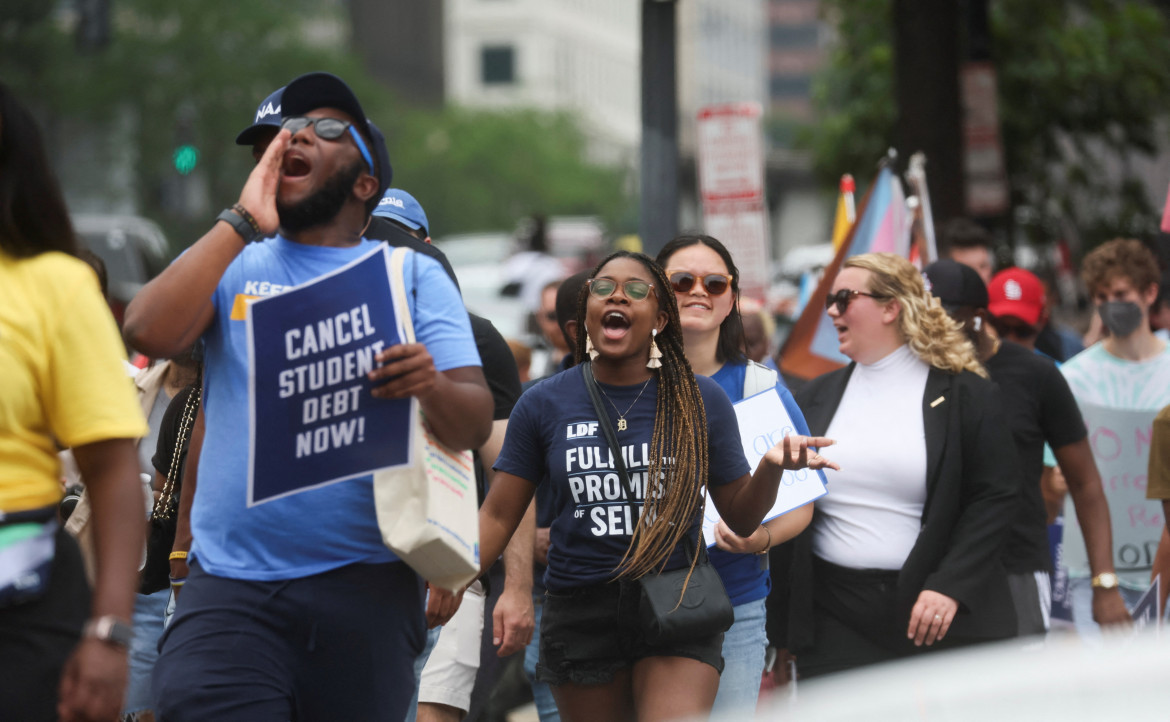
476,170
1083,86
193,73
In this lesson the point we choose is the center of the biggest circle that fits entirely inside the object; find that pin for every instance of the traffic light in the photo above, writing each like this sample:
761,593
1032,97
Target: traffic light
186,157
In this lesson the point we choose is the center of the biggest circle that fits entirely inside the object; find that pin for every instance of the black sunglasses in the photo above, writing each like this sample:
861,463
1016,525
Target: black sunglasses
716,284
844,297
605,287
328,129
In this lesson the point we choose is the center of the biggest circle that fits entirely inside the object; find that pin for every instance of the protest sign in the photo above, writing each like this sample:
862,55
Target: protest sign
1120,441
312,420
763,423
1146,612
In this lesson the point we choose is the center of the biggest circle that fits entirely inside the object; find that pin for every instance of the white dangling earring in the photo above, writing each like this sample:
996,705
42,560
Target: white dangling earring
655,361
589,350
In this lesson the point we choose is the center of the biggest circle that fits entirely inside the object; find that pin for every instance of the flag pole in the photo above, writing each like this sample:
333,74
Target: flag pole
916,177
796,356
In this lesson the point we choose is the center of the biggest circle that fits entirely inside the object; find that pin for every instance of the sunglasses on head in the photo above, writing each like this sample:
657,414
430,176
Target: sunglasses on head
841,299
715,284
329,129
605,287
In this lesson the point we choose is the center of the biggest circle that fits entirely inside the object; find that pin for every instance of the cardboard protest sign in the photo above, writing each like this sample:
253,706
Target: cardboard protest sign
1120,441
763,423
312,420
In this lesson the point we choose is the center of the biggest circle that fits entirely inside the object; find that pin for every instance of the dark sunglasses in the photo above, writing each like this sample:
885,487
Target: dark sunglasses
605,287
716,284
844,297
329,129
1015,330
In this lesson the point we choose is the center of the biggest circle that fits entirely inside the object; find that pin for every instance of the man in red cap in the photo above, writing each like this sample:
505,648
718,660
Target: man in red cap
1016,301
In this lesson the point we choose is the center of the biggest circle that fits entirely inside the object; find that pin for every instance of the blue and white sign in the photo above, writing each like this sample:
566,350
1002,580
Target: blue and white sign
312,420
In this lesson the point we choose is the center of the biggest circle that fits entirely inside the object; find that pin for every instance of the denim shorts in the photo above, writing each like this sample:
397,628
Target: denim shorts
590,633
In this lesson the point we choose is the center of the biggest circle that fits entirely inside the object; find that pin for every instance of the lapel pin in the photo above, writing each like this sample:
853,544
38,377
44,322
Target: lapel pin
937,401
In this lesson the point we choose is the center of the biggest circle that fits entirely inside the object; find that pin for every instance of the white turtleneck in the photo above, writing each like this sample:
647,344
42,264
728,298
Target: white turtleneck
872,514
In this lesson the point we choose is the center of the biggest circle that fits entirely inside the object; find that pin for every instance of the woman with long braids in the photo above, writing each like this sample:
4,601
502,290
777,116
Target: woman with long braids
903,552
678,435
705,282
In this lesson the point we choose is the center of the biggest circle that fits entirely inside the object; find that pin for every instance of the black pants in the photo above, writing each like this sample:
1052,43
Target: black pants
37,637
857,622
334,646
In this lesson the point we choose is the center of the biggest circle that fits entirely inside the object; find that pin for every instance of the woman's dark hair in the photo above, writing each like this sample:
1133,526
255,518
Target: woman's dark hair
731,336
680,433
33,216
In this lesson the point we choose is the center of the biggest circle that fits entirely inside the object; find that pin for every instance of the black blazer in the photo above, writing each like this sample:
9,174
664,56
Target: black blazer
972,495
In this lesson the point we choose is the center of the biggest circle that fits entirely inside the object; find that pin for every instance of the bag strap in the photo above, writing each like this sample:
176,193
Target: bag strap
398,291
607,428
619,462
758,378
162,505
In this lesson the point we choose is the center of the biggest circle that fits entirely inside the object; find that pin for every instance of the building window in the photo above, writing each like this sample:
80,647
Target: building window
791,86
795,36
498,65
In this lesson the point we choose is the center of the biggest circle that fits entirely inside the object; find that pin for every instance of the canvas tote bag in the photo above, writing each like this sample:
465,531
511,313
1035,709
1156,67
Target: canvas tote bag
428,511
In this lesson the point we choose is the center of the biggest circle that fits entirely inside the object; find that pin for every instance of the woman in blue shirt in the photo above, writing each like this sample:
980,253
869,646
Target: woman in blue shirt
706,284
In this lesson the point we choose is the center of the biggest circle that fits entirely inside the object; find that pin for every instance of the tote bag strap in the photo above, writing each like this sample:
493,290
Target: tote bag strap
398,291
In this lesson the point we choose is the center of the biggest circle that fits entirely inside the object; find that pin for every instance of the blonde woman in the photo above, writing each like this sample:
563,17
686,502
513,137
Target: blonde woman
903,553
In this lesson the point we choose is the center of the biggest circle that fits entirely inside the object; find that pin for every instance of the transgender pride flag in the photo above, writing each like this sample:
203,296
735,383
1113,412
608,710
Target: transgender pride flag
883,226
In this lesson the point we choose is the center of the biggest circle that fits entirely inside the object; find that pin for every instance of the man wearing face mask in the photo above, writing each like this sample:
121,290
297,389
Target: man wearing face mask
1127,372
1038,408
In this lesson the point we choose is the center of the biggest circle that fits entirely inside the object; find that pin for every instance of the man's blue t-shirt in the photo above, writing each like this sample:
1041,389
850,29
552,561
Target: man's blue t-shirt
553,438
746,576
320,529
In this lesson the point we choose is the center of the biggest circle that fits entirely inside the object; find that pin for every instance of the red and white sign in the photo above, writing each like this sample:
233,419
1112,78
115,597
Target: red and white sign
730,142
987,187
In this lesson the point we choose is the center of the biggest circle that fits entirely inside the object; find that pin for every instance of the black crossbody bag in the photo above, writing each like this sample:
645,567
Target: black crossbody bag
671,608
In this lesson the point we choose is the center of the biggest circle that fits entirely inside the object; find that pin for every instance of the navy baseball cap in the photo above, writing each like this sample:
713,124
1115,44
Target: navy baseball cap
955,284
325,90
400,206
267,116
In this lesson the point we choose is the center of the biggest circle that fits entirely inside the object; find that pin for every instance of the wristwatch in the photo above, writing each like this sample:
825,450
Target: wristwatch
242,221
109,629
1106,580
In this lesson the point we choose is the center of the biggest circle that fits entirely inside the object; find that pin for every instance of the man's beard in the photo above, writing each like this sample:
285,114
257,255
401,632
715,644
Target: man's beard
323,205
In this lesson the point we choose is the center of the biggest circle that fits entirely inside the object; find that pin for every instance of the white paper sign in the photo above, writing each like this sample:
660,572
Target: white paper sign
763,423
1120,441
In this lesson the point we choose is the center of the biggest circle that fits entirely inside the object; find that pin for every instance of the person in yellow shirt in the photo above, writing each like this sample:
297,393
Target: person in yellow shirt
64,385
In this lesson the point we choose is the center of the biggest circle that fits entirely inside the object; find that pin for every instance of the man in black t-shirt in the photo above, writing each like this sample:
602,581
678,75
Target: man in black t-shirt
1039,407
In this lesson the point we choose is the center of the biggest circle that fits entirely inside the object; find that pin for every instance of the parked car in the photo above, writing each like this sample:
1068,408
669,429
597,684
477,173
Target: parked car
133,248
478,260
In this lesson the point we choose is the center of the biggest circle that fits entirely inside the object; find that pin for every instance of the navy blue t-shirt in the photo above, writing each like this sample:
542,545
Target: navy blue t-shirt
745,576
553,438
